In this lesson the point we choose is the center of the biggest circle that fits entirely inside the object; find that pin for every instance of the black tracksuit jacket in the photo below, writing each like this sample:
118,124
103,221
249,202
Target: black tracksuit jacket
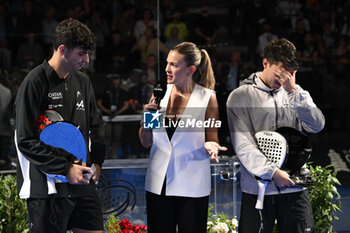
73,98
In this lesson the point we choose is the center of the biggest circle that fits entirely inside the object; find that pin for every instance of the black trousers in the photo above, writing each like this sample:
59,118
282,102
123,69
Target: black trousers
293,213
165,214
58,214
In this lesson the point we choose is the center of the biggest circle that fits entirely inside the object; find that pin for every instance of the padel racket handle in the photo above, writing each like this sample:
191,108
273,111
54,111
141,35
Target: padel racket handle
302,181
262,184
89,175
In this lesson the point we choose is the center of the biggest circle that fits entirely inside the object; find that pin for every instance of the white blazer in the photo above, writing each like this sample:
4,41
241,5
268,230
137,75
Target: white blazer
183,160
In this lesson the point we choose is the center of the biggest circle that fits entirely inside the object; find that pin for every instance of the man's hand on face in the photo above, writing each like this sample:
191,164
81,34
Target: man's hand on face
286,78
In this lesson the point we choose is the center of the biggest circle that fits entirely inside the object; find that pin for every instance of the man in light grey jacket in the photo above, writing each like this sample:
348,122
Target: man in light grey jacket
269,100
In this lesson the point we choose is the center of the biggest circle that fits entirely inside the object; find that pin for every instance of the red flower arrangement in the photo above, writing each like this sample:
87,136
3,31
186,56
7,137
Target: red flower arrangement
114,225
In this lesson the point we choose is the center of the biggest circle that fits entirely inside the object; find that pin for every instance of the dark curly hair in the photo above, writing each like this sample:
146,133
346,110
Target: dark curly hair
284,51
72,33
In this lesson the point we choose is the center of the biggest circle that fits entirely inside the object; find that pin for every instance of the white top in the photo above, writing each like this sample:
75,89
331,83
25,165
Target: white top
183,160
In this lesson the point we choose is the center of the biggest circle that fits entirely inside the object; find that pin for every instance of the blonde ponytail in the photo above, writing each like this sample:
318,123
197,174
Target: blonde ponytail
204,74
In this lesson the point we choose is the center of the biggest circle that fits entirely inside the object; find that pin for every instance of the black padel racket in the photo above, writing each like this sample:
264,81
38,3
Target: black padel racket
289,149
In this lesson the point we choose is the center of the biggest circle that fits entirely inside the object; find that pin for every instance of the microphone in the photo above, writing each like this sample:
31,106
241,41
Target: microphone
158,93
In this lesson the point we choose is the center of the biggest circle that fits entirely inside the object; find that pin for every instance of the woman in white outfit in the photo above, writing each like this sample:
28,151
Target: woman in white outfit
178,175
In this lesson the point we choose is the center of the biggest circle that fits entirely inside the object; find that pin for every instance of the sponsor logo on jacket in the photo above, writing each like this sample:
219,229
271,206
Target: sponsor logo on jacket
80,102
80,105
55,95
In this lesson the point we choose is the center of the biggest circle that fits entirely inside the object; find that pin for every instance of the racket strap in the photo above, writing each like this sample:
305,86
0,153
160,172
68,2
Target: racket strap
261,228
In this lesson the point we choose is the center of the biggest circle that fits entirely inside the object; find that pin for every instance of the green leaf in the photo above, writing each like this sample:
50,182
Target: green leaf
336,181
12,209
324,197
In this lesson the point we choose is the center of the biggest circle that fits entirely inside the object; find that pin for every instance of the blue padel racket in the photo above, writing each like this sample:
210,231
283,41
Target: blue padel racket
61,134
66,136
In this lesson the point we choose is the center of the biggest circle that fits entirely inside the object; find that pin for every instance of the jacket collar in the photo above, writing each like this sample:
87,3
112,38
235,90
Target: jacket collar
255,80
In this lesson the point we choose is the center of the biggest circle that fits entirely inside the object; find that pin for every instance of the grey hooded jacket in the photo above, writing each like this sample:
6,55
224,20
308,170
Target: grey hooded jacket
254,107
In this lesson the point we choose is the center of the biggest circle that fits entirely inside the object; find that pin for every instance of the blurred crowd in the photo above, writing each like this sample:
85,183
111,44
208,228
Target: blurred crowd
133,38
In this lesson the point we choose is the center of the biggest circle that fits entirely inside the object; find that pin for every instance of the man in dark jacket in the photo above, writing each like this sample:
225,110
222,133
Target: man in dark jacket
58,85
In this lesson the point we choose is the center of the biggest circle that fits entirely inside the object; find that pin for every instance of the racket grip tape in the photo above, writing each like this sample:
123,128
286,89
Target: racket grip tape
89,175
